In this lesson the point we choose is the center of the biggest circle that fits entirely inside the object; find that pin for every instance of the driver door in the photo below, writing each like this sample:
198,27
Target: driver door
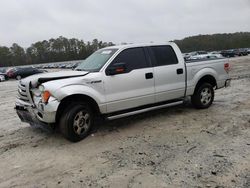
133,83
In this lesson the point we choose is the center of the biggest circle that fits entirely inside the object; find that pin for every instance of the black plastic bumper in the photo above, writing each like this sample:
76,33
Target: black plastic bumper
29,117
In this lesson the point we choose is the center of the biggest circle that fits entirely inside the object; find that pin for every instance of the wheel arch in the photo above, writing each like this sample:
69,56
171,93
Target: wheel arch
206,79
76,98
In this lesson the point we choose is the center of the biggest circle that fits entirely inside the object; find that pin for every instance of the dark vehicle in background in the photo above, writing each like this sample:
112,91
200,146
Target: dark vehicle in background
19,73
235,52
241,52
228,53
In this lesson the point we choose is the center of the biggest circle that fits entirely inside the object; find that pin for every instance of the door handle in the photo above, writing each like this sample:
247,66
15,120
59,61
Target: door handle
179,71
149,75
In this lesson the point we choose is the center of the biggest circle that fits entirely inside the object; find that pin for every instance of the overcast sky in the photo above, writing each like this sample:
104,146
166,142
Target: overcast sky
28,21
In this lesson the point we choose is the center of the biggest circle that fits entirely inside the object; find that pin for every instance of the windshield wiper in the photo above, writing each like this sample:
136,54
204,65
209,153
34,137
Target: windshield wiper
79,70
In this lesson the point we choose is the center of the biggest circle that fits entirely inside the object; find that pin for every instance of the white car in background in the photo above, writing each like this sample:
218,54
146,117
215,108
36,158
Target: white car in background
2,78
217,54
199,55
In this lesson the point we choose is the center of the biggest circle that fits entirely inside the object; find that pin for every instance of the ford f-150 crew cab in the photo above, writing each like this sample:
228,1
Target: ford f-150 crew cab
115,82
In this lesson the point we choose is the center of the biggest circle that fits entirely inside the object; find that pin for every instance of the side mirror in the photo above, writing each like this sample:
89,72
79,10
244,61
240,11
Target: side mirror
117,68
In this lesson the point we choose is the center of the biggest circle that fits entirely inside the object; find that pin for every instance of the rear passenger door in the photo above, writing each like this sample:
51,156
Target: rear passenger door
132,88
169,74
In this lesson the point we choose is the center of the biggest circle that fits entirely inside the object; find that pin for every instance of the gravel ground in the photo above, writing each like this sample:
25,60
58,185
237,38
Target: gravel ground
174,147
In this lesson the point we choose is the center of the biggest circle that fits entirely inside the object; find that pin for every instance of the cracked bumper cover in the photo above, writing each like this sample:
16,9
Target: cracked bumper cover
41,115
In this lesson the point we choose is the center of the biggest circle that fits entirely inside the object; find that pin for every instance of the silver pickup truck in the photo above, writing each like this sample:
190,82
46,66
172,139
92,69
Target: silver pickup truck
115,82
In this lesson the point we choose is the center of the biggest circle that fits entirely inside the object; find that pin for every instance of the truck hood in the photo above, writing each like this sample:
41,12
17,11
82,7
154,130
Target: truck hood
38,79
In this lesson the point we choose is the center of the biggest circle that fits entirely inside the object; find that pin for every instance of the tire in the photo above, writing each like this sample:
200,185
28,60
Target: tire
203,96
18,77
76,121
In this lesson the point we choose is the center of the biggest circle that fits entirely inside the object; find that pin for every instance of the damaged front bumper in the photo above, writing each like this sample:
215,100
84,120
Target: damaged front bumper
43,116
27,116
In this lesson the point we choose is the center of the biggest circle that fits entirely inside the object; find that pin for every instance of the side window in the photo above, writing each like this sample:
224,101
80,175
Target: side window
134,58
164,55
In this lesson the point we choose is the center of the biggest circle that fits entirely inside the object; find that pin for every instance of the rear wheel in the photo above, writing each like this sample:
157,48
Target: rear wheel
203,96
76,121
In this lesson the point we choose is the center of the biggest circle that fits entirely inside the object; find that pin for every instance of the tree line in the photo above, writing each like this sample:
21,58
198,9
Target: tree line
215,42
53,50
64,49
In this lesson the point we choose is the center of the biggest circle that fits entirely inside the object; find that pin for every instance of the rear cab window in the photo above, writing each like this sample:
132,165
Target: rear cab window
163,55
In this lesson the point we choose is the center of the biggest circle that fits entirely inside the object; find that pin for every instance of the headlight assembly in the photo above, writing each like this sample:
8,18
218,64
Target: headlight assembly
41,88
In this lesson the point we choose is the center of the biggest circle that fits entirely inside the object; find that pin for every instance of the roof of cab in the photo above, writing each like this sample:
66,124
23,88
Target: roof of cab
138,45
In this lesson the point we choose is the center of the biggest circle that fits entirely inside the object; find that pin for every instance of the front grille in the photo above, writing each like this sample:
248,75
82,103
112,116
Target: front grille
22,93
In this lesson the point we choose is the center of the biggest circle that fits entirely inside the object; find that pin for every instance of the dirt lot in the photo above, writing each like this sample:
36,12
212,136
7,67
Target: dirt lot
174,147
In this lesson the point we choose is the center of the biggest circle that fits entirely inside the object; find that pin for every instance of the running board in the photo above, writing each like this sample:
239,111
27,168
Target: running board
143,110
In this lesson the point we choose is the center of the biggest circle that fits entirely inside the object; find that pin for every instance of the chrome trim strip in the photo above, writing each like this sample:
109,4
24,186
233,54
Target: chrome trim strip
20,97
22,103
21,87
143,110
29,94
22,93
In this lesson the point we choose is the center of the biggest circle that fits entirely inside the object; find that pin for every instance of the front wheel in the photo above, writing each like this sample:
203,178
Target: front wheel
203,96
76,121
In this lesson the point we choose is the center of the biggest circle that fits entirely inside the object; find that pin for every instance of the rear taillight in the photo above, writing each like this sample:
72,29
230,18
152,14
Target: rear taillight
227,67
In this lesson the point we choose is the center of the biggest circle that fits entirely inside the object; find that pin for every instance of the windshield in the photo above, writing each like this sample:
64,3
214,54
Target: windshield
96,61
